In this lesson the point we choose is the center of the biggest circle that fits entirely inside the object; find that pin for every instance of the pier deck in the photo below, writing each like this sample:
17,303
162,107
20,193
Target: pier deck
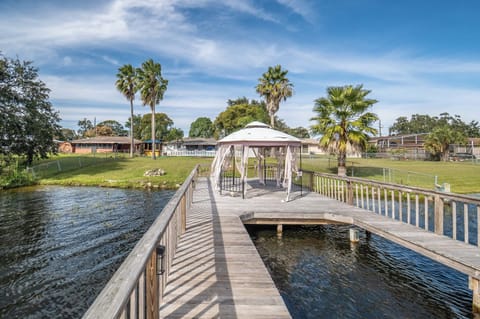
217,272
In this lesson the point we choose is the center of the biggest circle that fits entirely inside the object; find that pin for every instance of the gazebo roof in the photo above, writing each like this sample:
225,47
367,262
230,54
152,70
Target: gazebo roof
259,134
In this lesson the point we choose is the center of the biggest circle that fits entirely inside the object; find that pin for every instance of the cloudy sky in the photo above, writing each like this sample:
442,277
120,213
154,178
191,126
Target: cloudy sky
415,56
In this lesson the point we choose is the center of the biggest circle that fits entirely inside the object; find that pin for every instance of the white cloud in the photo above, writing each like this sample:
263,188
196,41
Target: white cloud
403,82
300,7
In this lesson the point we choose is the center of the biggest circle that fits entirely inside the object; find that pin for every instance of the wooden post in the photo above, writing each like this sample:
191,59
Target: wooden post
354,236
474,285
279,230
152,287
183,207
349,193
311,182
438,208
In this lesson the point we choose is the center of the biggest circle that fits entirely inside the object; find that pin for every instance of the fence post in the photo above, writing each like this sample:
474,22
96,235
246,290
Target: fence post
349,193
58,166
152,287
438,209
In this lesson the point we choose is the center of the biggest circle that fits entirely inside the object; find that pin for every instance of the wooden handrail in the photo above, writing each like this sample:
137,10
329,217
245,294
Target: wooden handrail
135,287
402,202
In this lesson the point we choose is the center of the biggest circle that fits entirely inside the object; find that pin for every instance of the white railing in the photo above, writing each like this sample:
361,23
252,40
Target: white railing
449,214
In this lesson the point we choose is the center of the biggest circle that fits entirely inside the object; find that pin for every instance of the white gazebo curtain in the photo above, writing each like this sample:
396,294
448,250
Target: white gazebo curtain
286,163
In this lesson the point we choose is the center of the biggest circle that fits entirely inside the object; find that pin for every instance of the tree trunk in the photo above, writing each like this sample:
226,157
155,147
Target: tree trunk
272,120
342,169
132,145
153,131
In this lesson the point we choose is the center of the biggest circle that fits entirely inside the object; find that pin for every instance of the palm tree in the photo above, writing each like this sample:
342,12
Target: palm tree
438,141
274,87
127,85
343,121
152,87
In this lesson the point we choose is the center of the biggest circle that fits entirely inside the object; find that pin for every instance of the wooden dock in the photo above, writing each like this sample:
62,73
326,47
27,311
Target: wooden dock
217,272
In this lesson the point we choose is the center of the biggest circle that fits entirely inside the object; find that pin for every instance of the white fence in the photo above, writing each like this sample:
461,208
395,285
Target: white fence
196,153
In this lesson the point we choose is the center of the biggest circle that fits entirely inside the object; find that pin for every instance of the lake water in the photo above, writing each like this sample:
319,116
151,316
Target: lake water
60,245
320,274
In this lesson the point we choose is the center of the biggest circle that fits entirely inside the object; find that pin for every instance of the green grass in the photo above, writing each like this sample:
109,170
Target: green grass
104,170
126,172
464,177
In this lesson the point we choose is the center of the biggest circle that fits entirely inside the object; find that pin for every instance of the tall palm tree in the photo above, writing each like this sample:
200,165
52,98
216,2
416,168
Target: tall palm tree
127,85
274,86
152,87
343,121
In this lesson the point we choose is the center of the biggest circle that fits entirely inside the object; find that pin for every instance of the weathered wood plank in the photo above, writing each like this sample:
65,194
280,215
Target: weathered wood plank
217,271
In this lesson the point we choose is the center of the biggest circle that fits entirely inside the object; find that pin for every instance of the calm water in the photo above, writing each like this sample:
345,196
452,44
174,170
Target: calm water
322,275
60,245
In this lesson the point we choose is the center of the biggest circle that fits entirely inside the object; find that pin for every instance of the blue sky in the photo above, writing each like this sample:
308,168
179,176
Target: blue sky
415,56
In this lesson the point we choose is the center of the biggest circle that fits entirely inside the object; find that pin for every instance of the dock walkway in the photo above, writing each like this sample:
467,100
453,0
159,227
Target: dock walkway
217,272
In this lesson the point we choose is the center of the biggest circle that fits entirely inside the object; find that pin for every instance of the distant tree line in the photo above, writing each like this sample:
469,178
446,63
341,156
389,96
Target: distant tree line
422,123
237,114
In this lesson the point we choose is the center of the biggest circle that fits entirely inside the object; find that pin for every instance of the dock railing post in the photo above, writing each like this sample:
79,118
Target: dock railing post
474,285
183,208
438,215
152,298
349,193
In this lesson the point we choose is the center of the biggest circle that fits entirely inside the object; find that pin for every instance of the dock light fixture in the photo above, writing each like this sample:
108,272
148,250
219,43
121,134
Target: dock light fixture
160,260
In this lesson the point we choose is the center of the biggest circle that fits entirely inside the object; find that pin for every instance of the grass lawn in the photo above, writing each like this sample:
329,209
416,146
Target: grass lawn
464,177
125,172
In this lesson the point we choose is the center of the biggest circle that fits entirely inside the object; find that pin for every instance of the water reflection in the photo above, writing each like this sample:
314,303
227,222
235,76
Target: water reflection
60,245
322,275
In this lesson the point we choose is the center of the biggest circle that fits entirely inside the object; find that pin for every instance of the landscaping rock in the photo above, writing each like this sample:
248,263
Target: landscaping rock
155,172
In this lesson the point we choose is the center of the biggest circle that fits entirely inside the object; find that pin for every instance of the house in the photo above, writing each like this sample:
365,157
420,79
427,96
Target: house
103,144
189,146
400,146
311,146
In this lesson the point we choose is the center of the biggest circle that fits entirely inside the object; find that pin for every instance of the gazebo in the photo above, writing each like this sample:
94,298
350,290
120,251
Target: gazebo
260,141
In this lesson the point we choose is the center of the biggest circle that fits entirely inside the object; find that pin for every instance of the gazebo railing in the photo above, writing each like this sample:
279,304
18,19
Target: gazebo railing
231,182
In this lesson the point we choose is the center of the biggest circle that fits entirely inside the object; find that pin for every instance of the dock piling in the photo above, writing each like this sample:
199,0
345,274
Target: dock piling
279,230
354,235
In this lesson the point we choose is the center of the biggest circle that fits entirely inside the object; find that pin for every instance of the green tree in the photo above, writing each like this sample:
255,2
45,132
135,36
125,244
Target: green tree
201,127
274,86
116,127
28,123
343,121
473,130
127,85
438,141
66,134
422,123
162,126
239,113
299,132
137,120
174,134
101,130
84,126
152,88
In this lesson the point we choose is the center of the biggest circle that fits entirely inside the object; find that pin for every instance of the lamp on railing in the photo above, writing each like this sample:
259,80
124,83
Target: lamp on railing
160,260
